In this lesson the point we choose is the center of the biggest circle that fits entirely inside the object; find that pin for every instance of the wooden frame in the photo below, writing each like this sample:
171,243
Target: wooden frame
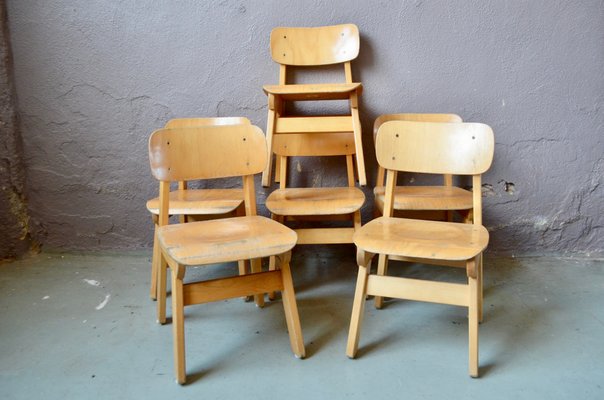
207,153
423,147
310,47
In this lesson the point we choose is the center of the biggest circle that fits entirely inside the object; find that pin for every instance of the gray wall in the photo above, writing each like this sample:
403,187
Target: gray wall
14,220
94,78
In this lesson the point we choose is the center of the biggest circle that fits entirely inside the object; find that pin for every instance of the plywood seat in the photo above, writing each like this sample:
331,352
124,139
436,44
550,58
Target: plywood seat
200,202
321,91
315,201
222,240
426,198
434,240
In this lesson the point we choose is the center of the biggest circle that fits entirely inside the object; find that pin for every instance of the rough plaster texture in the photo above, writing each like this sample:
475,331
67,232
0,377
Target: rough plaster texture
14,221
94,78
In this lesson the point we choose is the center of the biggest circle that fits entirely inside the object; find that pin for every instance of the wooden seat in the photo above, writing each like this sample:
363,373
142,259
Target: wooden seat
423,202
194,204
312,47
211,152
224,240
315,201
432,148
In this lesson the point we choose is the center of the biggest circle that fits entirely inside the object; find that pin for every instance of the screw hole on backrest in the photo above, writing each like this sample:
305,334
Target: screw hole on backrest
283,54
168,142
396,135
284,37
244,139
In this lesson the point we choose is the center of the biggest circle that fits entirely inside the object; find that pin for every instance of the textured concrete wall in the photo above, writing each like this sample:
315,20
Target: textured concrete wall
95,77
14,220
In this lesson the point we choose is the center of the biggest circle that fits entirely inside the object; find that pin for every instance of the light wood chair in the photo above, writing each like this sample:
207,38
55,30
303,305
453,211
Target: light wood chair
217,152
192,205
312,47
423,202
434,148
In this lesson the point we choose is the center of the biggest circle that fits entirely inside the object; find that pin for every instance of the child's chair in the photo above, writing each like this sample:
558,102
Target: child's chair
193,204
207,153
433,148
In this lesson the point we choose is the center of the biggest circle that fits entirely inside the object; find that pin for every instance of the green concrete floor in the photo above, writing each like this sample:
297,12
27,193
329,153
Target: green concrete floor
83,327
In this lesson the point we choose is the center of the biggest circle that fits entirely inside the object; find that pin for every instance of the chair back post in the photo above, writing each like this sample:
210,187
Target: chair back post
164,202
249,195
477,199
389,196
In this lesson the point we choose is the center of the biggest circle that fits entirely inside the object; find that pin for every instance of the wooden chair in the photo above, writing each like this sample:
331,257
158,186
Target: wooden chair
434,148
312,47
191,205
424,202
218,152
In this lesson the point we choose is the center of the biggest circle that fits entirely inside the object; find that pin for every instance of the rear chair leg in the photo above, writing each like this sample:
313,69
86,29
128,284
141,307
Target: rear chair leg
381,271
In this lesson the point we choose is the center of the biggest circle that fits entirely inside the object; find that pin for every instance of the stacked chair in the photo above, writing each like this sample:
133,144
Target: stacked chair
308,48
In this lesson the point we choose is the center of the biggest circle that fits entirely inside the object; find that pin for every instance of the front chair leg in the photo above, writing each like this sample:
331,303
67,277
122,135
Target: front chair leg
178,322
291,308
473,321
358,306
161,288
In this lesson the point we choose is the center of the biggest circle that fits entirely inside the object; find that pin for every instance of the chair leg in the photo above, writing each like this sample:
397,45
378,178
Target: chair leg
154,264
271,267
382,270
473,326
356,126
257,267
278,166
178,323
358,307
244,270
270,131
291,311
480,289
272,260
161,288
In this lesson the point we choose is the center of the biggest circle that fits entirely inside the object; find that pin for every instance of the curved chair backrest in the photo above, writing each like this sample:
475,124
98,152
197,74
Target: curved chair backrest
435,148
193,122
207,152
431,117
324,45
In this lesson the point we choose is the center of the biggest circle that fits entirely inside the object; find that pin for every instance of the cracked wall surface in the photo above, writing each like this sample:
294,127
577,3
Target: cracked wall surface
14,218
94,78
